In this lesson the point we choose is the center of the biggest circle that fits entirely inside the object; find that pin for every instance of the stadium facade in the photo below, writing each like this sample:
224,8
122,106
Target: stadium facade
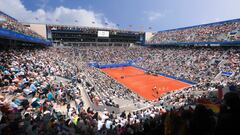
74,36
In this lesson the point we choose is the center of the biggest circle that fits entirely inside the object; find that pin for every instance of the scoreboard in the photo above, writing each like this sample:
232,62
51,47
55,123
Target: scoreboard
103,34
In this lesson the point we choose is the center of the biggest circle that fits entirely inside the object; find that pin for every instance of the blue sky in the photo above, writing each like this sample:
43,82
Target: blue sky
141,14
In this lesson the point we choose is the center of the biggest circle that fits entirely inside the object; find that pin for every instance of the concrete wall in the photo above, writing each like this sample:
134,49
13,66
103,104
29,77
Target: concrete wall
148,36
38,28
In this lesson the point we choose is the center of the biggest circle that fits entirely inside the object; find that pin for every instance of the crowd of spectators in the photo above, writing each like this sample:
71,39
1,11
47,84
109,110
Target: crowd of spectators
7,22
203,66
34,101
28,87
217,32
199,65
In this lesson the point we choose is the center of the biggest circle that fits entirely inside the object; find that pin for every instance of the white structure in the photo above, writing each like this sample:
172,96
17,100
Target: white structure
41,29
148,36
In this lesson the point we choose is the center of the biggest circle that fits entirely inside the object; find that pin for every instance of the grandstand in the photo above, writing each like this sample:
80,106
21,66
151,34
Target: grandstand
77,36
65,79
12,30
224,33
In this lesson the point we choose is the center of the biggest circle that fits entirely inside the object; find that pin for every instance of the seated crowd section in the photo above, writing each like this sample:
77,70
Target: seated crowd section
35,101
217,32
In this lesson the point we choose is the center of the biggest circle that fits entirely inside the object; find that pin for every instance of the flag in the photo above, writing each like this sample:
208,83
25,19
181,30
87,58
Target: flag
214,107
93,22
36,18
130,25
76,20
210,105
106,23
149,28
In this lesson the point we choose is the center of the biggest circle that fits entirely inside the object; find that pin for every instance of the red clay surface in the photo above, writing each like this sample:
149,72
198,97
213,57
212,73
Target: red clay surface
143,84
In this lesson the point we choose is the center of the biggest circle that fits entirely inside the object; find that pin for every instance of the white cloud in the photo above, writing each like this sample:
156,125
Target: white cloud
153,15
60,15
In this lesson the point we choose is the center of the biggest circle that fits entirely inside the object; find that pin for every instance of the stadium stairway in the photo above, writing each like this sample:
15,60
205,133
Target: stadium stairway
72,103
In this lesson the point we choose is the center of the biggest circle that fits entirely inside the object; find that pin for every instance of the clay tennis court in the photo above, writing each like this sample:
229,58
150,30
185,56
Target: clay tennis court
142,84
